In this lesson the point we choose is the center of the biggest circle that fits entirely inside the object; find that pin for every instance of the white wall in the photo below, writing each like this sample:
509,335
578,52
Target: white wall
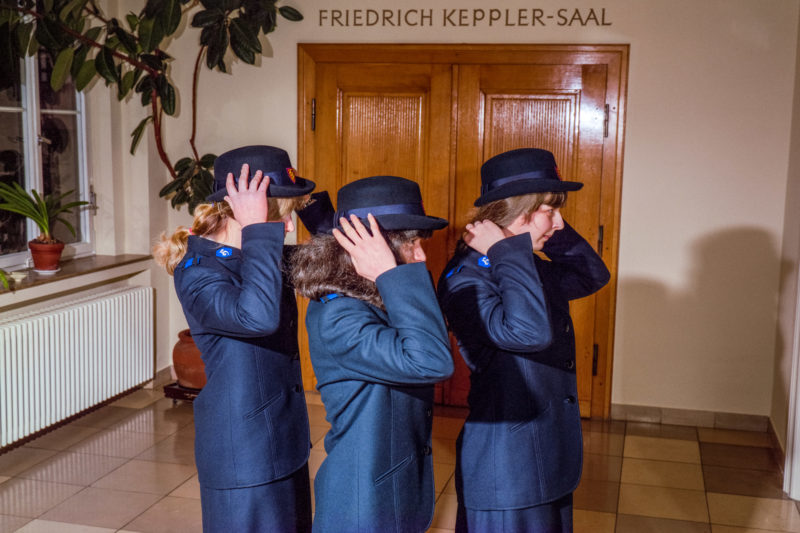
707,149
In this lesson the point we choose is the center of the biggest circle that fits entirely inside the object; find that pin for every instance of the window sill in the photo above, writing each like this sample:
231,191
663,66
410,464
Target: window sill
75,274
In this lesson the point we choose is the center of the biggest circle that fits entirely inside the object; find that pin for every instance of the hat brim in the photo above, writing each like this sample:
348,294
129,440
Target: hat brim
402,222
517,188
300,187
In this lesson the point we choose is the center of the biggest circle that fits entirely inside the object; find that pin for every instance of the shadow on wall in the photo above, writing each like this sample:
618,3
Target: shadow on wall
710,344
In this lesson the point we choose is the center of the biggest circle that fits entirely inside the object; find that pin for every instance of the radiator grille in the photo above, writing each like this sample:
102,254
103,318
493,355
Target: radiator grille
59,361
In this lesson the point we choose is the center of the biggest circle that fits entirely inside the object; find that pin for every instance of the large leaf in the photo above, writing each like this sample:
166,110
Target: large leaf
151,33
125,85
245,33
242,52
170,16
167,94
183,164
24,32
207,161
217,47
290,13
127,40
137,133
61,68
207,17
85,75
133,21
171,187
104,63
71,9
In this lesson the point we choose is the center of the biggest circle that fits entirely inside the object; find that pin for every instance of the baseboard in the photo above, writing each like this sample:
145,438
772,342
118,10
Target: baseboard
778,453
690,417
163,377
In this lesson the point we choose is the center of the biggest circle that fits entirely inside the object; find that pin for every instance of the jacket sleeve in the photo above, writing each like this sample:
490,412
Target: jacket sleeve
411,349
581,271
508,310
213,301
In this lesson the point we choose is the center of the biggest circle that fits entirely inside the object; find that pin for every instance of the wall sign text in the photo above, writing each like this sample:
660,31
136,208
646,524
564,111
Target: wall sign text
463,18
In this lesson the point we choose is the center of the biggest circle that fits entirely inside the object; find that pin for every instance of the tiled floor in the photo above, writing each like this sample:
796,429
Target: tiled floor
129,466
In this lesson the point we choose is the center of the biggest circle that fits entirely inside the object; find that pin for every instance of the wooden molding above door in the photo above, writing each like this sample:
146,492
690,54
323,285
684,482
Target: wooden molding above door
453,65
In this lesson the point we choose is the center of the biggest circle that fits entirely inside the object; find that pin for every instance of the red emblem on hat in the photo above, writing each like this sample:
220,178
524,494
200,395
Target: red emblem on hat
291,172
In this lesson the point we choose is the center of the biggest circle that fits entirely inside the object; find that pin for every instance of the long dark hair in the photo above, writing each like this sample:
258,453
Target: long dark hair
321,267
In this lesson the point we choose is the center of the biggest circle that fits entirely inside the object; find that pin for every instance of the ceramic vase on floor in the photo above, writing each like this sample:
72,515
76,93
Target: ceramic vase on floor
188,364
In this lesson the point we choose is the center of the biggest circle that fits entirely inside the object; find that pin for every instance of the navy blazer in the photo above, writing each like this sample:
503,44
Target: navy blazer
521,443
251,423
376,370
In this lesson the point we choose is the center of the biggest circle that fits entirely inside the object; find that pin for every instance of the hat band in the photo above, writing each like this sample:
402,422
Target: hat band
539,174
389,209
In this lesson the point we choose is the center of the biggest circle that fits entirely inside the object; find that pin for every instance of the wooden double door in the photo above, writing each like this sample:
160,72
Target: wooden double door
435,113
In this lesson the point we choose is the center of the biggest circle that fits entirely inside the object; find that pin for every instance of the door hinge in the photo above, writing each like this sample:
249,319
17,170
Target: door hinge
595,349
313,114
92,206
605,122
600,232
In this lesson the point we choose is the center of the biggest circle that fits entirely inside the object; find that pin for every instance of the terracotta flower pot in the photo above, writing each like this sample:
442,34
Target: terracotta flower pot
187,362
45,256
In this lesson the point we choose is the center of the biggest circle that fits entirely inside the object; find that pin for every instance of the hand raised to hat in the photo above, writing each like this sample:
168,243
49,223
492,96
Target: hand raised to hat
370,253
249,200
481,235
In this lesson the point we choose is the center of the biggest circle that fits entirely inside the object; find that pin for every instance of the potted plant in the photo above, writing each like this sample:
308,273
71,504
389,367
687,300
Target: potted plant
45,211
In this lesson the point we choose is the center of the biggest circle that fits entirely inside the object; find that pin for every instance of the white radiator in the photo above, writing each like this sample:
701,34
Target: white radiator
58,361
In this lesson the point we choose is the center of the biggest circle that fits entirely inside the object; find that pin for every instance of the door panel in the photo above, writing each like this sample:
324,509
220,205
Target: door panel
434,113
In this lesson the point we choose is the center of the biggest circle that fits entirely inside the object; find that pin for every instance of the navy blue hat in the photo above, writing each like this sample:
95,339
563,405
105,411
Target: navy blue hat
317,216
396,203
521,171
273,162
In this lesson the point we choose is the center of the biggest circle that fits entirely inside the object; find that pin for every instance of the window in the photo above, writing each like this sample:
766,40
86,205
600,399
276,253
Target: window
43,147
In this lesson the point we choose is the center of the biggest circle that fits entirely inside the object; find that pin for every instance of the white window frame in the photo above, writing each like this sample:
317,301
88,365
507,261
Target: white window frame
31,110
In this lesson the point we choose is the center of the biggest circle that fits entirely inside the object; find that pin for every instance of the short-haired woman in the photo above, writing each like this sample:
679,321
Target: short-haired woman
378,345
519,452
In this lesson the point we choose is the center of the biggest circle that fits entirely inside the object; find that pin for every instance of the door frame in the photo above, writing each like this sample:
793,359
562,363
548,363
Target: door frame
614,56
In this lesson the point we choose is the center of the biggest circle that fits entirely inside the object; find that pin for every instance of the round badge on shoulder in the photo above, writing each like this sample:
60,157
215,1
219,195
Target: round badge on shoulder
224,252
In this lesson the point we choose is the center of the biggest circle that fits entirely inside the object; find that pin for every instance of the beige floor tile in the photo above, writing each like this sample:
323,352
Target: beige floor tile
442,473
682,451
662,473
146,476
155,421
603,443
21,459
716,528
315,459
593,495
9,524
105,416
73,468
318,435
444,516
173,449
30,498
593,521
627,523
747,511
601,467
117,443
663,502
730,436
189,489
47,526
447,427
170,515
450,488
63,437
140,398
444,450
101,507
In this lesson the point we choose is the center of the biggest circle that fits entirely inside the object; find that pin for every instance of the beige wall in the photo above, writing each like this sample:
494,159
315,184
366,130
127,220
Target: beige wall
707,149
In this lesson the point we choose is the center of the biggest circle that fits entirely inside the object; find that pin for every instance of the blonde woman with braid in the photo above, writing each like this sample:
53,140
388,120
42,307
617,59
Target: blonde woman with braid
252,435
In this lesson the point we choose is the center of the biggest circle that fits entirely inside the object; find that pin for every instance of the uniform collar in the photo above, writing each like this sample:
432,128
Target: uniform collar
205,246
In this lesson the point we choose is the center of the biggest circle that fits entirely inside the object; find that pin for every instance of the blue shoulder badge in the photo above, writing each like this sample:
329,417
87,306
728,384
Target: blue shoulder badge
454,270
191,261
328,297
484,262
224,252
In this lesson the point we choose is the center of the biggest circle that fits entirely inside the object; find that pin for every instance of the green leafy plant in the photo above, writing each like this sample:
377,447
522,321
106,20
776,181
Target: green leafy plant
3,279
44,210
129,54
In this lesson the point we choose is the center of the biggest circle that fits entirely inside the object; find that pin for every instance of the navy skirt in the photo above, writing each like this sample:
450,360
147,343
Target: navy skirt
553,517
283,506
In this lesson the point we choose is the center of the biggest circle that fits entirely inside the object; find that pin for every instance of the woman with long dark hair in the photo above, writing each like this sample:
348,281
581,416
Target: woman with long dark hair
378,345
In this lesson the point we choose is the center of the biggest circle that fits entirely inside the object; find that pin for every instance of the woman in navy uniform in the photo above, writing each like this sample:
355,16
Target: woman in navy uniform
378,345
252,436
519,453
